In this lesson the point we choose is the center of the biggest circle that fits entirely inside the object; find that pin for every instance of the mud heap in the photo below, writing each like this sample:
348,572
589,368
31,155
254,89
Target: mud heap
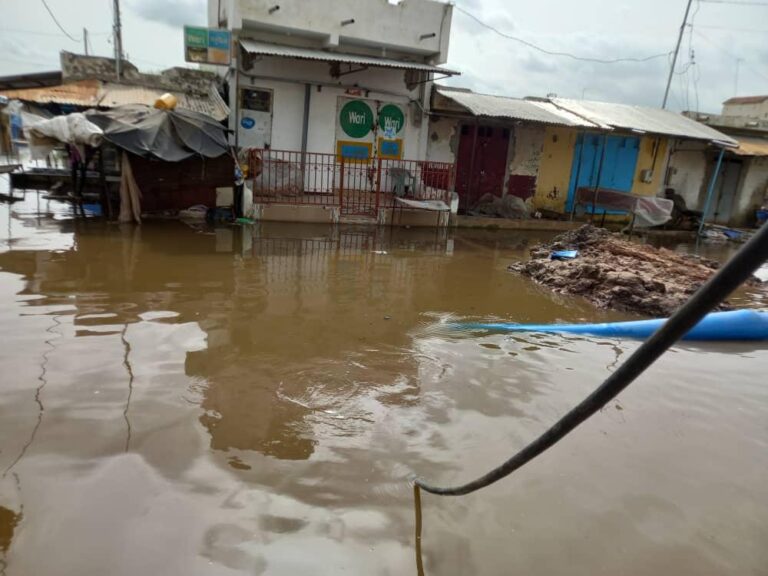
615,273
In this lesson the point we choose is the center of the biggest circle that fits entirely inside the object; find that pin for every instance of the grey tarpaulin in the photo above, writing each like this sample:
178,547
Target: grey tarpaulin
171,135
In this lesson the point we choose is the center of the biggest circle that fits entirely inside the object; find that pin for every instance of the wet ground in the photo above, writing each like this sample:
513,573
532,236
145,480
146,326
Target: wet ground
187,400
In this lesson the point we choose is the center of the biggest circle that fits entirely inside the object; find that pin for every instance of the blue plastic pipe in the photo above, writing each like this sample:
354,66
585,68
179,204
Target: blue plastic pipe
734,325
711,190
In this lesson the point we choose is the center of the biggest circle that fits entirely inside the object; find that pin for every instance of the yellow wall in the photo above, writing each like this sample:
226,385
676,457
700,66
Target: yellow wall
555,169
557,158
645,161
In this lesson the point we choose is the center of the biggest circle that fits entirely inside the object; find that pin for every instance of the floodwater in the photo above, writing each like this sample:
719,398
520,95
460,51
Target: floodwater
188,400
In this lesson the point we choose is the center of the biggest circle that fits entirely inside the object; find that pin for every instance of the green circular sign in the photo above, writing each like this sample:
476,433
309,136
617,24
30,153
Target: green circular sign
356,119
391,120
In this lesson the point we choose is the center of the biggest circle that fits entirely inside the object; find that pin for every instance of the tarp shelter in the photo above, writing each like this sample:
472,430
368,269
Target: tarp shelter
170,135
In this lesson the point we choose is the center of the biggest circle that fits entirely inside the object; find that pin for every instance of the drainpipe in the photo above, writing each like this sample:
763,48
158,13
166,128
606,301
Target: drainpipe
468,189
305,132
711,190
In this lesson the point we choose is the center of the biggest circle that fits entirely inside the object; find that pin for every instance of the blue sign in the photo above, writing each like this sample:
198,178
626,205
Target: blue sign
390,148
219,39
355,151
247,123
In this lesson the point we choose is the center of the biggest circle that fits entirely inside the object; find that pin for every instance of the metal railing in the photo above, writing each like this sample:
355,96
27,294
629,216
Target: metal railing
360,187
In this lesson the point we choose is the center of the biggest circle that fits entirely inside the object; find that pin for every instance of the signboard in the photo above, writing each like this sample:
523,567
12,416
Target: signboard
356,119
369,128
207,45
391,121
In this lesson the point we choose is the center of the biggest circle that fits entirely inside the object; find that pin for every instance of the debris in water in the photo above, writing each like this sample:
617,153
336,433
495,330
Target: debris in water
615,273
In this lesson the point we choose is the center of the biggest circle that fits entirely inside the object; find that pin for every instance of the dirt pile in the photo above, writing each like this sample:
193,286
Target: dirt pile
615,273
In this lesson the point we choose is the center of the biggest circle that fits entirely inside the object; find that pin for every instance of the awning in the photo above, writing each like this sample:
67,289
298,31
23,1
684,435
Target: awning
267,49
750,146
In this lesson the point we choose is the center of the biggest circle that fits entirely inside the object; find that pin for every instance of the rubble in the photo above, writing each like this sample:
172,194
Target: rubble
615,273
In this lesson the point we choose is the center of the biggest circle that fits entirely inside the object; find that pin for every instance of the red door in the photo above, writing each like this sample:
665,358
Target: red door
481,163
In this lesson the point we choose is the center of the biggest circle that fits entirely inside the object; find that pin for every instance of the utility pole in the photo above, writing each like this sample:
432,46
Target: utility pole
85,40
677,50
736,79
118,38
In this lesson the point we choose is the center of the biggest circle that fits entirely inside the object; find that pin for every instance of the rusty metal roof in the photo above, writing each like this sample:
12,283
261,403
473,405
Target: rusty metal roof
113,95
642,119
751,146
83,93
268,49
94,93
512,108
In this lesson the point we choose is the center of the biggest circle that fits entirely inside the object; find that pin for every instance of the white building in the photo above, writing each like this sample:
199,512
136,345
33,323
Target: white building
346,78
300,63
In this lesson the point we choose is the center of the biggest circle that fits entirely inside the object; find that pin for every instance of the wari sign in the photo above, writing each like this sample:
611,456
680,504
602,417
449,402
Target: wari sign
207,45
391,120
356,119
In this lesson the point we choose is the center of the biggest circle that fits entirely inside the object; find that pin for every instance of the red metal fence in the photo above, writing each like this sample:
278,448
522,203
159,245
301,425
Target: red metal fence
359,187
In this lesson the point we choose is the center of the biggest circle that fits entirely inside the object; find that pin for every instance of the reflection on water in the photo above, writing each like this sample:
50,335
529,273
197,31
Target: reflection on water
193,400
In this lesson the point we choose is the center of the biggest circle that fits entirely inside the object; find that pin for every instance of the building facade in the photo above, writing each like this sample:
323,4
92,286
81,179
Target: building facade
544,150
741,187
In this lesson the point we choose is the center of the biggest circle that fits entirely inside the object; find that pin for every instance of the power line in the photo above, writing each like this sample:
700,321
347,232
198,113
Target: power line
67,34
731,54
557,53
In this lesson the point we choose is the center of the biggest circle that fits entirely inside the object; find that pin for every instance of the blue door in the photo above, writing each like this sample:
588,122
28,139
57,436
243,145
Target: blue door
619,162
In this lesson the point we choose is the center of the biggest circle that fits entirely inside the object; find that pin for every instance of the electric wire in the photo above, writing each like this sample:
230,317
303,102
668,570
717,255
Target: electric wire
53,16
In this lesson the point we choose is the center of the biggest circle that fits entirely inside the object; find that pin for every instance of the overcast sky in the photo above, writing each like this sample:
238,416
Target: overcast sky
722,34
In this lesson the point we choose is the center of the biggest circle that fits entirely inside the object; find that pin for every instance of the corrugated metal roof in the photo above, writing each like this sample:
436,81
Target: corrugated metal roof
749,146
642,119
83,93
268,49
512,108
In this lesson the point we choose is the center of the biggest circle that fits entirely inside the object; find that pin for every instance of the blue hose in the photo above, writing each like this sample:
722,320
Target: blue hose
734,325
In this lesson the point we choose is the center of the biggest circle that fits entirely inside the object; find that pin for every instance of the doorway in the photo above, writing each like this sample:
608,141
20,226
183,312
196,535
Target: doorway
481,163
730,174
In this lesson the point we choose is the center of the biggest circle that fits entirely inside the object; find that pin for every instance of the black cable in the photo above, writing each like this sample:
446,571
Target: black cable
728,278
554,52
67,34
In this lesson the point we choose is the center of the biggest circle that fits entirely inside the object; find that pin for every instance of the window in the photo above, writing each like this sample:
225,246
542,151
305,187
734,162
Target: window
256,100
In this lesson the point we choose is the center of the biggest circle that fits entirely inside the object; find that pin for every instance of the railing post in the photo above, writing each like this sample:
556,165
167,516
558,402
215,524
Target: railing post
341,184
378,185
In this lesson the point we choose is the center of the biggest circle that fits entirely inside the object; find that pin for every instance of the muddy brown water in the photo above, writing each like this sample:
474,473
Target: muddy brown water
188,400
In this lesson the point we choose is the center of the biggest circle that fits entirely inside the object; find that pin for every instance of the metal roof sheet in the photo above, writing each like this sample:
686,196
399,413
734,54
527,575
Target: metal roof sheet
268,49
642,119
83,93
94,93
113,95
513,108
750,146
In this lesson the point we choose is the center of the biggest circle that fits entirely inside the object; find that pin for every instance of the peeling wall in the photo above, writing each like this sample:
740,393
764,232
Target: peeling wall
688,170
443,139
527,150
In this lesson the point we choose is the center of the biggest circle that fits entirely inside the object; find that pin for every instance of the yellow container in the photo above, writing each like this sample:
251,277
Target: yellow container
166,102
